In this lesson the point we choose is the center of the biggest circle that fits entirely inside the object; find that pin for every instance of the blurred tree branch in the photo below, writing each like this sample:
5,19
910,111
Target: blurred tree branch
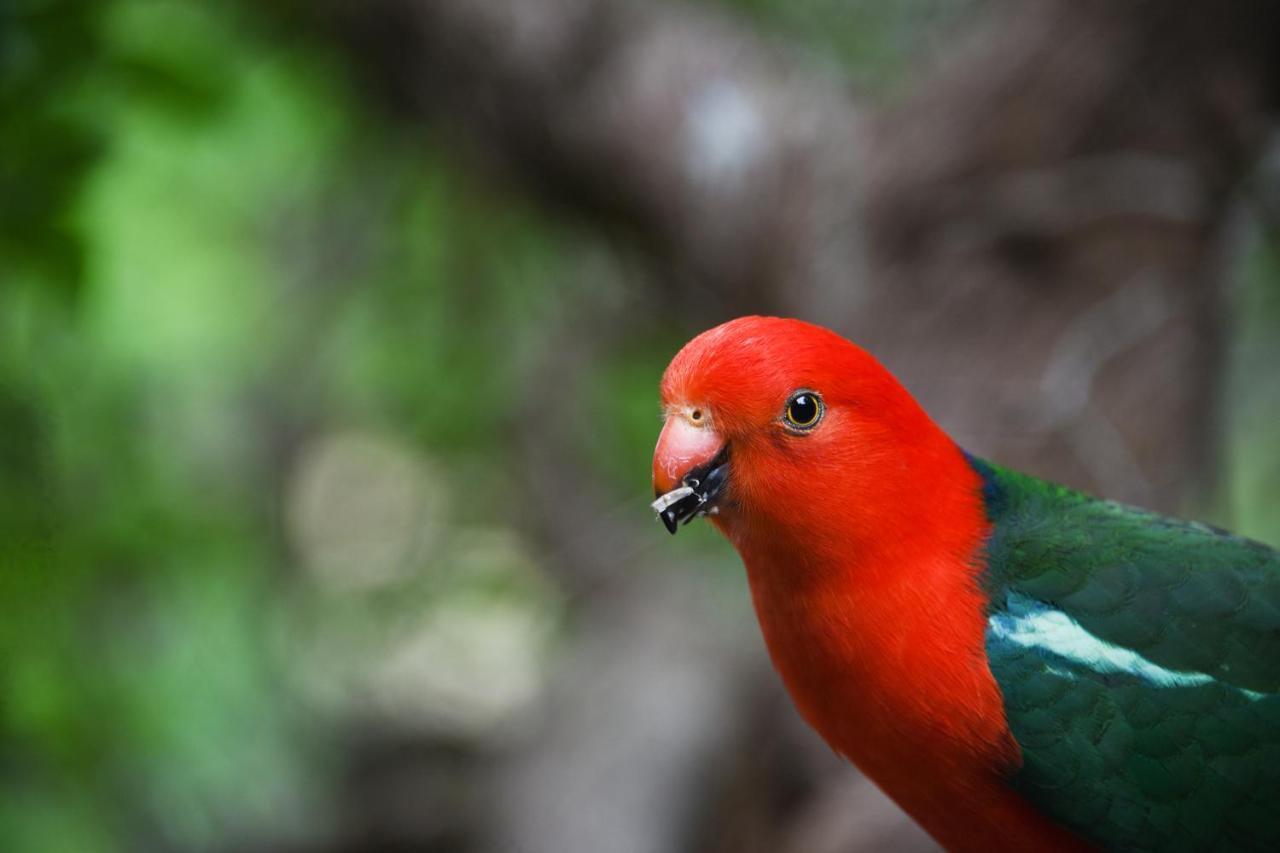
704,141
1032,238
1064,186
1066,151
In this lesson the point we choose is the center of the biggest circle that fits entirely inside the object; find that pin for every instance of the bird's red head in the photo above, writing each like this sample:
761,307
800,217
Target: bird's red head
777,426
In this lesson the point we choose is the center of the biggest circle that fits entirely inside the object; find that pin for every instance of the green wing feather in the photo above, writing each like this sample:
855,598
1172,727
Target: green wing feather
1139,661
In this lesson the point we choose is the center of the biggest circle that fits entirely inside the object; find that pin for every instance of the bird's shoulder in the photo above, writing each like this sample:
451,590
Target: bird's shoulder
1184,595
1138,657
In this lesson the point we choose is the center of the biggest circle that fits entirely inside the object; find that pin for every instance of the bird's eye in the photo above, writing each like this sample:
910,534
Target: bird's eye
804,410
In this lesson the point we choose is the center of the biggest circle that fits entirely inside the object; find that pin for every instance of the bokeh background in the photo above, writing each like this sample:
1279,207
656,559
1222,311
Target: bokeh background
329,343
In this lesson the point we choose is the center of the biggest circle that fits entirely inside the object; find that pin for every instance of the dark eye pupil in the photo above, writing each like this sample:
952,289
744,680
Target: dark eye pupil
804,409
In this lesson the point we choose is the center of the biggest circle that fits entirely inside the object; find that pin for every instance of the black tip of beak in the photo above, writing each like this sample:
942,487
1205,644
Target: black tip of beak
695,495
670,521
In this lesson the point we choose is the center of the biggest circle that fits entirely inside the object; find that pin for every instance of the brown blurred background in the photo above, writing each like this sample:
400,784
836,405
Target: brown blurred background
330,336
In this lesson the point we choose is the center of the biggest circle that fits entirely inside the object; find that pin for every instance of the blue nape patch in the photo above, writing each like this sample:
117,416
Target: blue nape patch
992,497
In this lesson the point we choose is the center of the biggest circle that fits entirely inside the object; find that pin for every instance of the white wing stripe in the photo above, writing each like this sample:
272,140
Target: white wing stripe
1031,624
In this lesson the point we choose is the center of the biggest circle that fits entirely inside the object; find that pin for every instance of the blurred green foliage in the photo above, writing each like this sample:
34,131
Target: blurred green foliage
1252,475
211,259
47,51
208,255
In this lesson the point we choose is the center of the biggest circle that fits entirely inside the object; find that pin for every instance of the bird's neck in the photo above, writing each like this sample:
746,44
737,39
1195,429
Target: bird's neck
880,642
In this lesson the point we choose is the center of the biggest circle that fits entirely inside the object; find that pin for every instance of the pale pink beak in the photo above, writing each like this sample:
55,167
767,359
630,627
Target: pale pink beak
690,468
682,446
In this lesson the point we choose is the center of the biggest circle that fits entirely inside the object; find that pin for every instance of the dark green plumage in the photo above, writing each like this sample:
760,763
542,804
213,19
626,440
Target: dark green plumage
1139,660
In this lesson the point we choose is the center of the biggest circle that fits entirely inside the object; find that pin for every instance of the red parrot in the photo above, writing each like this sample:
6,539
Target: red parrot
1018,665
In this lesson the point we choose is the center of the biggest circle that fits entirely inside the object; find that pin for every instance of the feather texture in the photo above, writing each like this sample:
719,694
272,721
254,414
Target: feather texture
1139,661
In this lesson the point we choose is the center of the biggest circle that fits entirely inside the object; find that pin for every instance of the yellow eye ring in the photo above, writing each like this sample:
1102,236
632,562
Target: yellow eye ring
804,410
